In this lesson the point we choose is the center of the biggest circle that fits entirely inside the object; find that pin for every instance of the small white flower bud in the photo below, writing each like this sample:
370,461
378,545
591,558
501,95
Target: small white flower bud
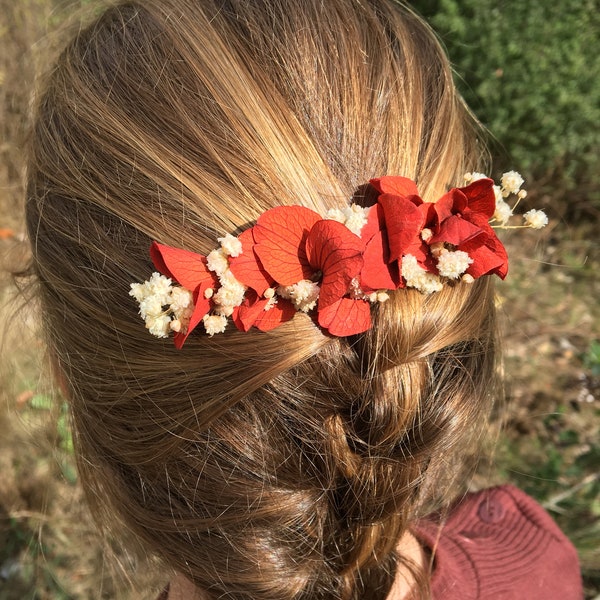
426,234
230,245
511,183
453,264
214,324
535,219
159,326
217,261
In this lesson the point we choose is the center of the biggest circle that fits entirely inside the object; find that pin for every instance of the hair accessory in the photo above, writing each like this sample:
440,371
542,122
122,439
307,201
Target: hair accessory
333,267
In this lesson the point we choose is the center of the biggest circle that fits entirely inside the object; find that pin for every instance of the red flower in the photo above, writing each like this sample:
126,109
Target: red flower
347,316
394,230
463,221
292,244
252,313
190,271
247,267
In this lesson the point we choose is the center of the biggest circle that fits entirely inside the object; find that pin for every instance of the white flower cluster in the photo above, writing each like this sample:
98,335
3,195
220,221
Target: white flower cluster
230,292
354,217
535,219
451,264
163,307
417,277
511,183
303,295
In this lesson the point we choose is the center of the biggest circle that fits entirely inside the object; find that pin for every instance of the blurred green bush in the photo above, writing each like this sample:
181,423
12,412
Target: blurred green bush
531,73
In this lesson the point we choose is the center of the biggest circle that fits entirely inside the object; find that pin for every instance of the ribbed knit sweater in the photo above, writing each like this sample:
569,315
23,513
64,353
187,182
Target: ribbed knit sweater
499,544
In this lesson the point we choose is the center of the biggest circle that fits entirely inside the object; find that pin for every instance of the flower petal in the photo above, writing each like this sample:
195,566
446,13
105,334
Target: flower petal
337,252
252,313
488,254
480,197
247,268
283,311
375,223
396,185
280,236
404,222
345,317
377,272
455,230
202,307
449,204
187,268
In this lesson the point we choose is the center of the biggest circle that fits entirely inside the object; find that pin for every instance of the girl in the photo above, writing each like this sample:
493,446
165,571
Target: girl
334,325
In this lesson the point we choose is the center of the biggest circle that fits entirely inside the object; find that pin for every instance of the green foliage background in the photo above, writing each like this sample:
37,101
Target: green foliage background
531,72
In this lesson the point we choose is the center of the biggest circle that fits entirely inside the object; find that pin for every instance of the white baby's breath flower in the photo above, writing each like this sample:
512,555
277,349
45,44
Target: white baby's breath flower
304,294
230,245
180,299
535,219
139,291
214,324
453,264
356,218
503,211
417,277
231,293
466,278
160,287
498,194
184,316
272,301
336,214
176,325
285,291
217,261
426,234
471,177
151,306
383,297
511,183
357,293
224,310
159,326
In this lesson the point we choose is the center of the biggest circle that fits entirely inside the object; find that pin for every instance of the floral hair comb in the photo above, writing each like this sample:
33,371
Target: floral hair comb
333,267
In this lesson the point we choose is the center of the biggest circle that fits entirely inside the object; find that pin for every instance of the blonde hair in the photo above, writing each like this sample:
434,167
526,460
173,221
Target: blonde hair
279,465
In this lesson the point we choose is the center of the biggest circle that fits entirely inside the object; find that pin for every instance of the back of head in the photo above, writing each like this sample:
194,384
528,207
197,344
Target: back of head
278,465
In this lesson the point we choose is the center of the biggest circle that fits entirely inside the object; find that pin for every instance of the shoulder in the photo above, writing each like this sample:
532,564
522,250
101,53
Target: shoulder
500,543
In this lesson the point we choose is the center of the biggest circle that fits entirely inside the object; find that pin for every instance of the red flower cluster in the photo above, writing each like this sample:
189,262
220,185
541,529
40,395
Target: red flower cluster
459,219
292,252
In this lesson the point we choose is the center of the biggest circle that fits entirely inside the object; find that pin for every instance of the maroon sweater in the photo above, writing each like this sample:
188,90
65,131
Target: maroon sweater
499,544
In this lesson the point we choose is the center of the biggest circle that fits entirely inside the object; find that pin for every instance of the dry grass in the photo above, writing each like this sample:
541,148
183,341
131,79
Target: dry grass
48,546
